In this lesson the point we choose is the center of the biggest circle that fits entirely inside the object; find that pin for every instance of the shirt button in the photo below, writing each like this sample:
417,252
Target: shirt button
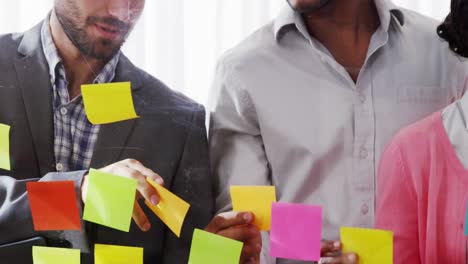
59,167
364,209
363,153
362,98
63,111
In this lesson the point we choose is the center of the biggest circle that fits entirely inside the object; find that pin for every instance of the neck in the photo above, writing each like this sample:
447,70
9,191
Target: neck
345,28
79,69
355,15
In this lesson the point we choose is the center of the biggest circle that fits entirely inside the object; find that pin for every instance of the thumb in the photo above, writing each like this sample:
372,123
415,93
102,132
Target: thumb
229,219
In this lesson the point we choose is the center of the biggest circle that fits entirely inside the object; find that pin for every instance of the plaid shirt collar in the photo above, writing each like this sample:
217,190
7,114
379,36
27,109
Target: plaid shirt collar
106,75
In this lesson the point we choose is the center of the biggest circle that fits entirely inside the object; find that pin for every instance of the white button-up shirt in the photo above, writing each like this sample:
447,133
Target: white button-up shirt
285,113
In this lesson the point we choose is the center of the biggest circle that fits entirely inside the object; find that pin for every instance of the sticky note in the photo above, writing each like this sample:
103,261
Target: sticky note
208,248
296,231
466,222
109,254
110,200
108,102
256,199
372,246
53,205
49,255
5,147
171,209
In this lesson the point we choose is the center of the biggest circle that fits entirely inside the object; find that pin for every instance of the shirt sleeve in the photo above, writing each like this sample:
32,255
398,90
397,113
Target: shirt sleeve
237,151
397,208
15,214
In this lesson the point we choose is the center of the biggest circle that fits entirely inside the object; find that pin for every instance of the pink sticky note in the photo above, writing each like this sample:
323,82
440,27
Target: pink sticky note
296,231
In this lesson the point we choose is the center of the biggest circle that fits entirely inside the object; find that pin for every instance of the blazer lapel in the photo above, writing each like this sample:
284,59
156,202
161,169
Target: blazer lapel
34,82
112,139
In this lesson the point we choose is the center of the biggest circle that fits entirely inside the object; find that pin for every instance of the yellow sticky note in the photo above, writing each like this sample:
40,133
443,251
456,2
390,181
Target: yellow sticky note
109,254
256,199
108,102
49,255
171,209
5,147
372,246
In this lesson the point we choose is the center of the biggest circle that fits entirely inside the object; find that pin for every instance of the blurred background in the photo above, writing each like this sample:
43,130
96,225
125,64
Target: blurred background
179,41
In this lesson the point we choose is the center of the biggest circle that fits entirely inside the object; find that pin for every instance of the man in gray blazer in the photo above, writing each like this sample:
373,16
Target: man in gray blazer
41,72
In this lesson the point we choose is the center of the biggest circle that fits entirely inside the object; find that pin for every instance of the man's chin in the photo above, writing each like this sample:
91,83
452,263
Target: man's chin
307,8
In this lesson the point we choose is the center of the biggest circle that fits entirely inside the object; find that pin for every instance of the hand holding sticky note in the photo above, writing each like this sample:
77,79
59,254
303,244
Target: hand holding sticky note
109,254
108,102
296,231
49,255
4,147
208,248
255,199
53,205
170,209
110,200
372,246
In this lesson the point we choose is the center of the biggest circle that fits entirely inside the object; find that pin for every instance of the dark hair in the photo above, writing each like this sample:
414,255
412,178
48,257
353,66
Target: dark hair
455,28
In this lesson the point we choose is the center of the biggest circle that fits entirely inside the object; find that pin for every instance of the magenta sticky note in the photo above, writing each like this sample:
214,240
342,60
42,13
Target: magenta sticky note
296,231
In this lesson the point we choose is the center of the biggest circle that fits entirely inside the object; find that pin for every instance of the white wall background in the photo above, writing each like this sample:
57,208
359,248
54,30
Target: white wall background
178,41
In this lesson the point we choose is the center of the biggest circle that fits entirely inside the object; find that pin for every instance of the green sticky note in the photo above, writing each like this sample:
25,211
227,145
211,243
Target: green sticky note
372,246
5,147
208,248
49,255
110,200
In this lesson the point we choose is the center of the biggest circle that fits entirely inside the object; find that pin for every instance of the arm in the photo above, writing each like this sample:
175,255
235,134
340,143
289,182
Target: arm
15,214
237,151
192,183
397,206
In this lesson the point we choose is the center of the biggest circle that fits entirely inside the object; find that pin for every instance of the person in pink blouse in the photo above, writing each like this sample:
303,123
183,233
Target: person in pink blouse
422,187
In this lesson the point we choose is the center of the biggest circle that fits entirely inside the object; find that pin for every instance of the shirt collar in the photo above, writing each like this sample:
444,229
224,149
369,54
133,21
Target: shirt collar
288,18
463,106
53,59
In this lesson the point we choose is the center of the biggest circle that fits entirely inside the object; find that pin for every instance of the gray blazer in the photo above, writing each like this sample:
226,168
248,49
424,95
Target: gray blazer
169,137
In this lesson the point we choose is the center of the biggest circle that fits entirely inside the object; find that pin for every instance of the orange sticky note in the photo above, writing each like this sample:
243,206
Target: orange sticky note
255,199
171,209
109,254
53,205
108,102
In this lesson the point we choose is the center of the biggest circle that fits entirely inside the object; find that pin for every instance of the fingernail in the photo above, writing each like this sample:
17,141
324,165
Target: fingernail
154,200
247,217
159,181
146,227
352,257
336,244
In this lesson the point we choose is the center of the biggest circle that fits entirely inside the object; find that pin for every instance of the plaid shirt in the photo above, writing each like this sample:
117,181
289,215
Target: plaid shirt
75,137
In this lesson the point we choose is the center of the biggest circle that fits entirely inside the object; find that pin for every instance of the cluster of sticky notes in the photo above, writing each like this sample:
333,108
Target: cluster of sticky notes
110,254
103,254
170,209
50,255
108,102
110,200
5,147
296,231
255,199
208,248
372,246
53,205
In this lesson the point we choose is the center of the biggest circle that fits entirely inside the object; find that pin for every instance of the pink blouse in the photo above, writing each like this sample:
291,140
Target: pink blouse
422,191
